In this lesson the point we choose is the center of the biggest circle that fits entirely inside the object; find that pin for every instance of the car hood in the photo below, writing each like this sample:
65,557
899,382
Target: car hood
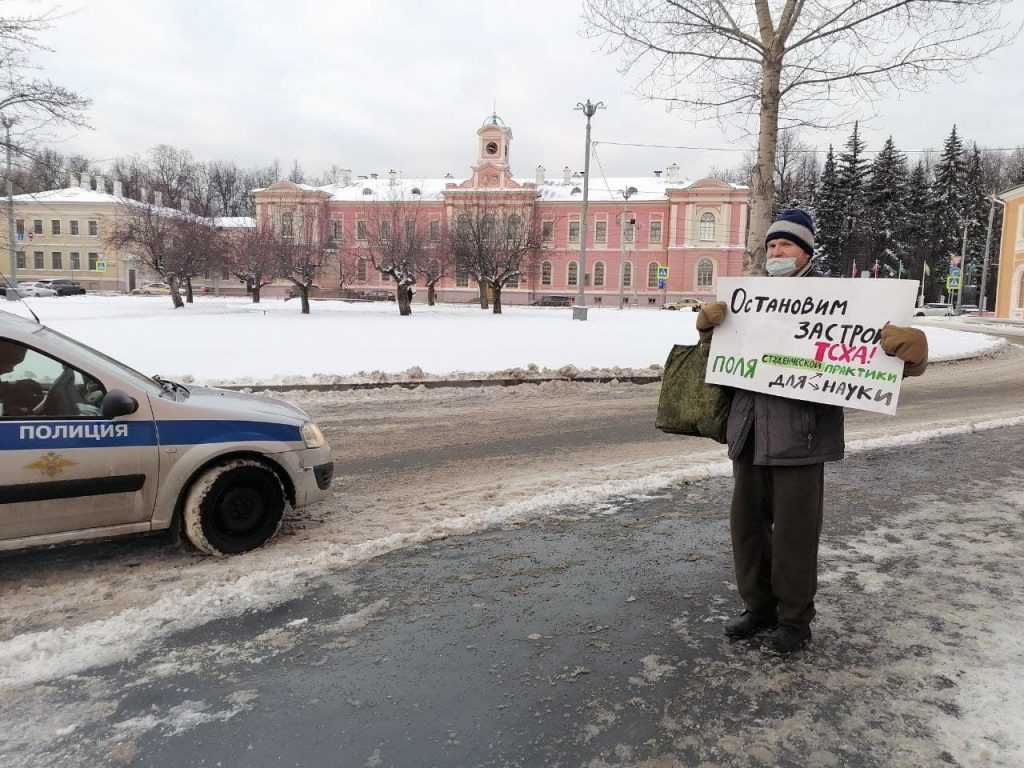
243,406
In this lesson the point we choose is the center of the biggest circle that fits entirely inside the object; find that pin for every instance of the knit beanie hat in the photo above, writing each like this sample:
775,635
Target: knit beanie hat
795,225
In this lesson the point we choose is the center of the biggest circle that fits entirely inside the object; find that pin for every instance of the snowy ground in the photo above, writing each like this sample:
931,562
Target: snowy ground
63,617
231,340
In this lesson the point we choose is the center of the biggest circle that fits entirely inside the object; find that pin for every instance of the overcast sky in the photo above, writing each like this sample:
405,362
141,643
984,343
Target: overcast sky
404,84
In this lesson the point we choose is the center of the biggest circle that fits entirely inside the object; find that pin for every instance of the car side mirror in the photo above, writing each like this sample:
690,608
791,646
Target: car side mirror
117,403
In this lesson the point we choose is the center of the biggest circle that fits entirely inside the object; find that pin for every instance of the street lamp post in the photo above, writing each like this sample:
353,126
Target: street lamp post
12,279
982,300
579,312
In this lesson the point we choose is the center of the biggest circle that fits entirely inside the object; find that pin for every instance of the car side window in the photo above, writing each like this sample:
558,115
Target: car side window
35,385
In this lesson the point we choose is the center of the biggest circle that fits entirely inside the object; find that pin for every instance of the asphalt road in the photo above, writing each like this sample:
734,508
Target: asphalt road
592,637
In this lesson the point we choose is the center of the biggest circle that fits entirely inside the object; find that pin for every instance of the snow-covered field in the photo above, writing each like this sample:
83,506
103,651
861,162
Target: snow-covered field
231,340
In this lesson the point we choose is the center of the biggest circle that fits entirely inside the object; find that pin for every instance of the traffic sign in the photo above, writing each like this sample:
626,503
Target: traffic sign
662,285
954,272
662,272
101,266
952,283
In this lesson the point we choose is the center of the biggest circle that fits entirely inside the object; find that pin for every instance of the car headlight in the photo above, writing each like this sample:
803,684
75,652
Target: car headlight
312,435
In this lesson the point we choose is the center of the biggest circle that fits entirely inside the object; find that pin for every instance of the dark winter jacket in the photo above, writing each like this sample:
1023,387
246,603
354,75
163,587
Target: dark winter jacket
785,431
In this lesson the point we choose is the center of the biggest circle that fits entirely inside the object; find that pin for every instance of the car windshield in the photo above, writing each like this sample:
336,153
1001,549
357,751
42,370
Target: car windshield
104,361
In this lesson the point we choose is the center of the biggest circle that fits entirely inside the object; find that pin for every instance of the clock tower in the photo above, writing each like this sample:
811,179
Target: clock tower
491,170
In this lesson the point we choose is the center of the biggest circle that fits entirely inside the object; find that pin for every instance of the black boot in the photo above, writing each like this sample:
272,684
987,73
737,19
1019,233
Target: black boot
748,624
785,639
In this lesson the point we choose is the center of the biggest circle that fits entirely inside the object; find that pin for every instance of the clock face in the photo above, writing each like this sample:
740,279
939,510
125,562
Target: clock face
491,148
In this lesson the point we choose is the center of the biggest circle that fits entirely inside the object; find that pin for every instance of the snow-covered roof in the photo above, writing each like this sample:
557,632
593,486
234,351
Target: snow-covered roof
69,195
647,188
229,222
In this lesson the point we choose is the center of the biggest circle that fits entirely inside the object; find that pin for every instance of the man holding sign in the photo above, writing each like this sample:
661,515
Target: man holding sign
797,352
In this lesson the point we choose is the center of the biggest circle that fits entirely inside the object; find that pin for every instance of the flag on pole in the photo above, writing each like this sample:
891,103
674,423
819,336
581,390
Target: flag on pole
903,270
853,273
927,272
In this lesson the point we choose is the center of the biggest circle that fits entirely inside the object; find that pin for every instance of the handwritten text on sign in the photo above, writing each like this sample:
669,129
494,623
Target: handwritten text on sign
811,339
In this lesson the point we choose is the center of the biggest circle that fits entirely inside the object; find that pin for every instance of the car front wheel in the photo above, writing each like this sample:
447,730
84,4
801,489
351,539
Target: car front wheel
233,507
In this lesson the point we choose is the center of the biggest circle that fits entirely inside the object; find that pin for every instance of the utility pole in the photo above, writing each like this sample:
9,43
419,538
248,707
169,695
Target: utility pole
963,271
579,312
12,293
982,299
626,193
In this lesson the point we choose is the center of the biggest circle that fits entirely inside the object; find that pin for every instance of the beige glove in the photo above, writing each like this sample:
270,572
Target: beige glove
709,316
908,344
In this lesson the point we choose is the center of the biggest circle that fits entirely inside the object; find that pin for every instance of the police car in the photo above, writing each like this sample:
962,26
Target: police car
90,448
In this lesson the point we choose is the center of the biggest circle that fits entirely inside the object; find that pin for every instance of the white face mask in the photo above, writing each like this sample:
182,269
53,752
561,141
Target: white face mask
781,267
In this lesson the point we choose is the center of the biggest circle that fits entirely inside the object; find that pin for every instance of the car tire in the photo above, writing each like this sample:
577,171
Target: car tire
672,309
233,507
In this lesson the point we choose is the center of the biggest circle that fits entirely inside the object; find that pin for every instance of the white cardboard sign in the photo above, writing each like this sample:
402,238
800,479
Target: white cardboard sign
811,339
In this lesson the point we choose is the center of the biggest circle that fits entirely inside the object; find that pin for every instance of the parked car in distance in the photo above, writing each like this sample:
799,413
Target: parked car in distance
693,305
934,309
554,301
31,288
378,295
64,287
90,448
153,289
969,309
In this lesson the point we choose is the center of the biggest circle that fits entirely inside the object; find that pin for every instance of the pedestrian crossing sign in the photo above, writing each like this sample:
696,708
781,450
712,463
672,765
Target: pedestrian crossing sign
953,283
662,272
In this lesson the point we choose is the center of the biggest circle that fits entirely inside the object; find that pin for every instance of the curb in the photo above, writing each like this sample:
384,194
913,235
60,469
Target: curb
434,383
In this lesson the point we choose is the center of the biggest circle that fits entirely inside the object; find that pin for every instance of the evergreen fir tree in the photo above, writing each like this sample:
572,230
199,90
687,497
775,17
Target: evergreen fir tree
828,217
976,204
885,207
914,234
947,206
852,171
1015,168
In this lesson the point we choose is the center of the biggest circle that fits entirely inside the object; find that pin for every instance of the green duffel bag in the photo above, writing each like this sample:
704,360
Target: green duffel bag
688,405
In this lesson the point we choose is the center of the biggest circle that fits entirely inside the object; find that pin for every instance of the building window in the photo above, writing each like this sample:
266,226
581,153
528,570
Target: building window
627,275
410,229
54,226
573,274
513,282
705,273
514,227
337,230
93,258
385,231
20,258
287,225
74,226
601,232
461,275
37,226
361,231
574,231
19,227
707,226
37,260
599,274
57,260
75,259
545,273
547,231
1020,292
94,228
654,233
652,275
435,231
360,270
630,232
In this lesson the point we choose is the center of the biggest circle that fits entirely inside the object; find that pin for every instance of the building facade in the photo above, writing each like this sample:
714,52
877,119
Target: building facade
636,226
1010,283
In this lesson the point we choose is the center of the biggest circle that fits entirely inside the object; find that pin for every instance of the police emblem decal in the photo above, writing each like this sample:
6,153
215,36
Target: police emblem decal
51,464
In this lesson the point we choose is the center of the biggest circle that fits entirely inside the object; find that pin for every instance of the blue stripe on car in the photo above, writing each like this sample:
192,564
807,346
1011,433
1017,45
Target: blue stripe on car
85,433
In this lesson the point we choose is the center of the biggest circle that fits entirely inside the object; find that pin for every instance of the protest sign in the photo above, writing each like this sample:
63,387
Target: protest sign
811,339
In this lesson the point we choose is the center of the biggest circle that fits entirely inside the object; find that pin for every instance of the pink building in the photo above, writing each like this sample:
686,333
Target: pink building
636,225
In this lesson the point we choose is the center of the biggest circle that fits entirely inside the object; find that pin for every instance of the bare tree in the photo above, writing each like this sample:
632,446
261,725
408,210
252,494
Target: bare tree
131,171
302,250
498,242
394,235
252,258
199,248
790,62
149,232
